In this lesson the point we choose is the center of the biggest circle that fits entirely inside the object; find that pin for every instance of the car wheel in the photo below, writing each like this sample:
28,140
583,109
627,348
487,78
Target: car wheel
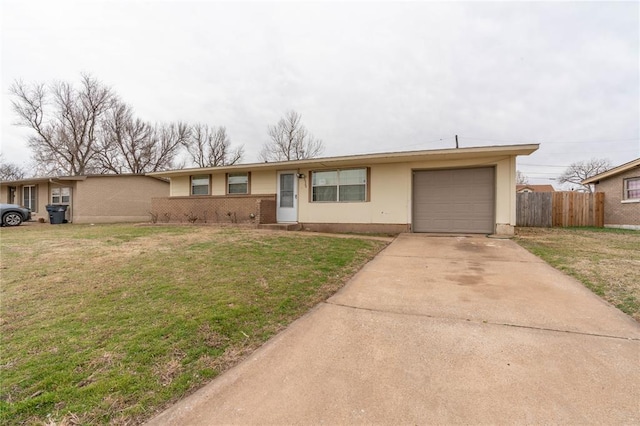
11,219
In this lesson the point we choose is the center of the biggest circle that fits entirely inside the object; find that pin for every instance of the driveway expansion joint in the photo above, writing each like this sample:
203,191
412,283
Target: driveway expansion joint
411,256
461,319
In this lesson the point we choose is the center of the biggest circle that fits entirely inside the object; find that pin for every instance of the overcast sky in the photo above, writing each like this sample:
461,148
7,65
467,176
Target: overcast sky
366,77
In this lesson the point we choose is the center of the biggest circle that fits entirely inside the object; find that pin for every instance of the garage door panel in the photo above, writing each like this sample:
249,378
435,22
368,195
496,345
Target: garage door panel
460,200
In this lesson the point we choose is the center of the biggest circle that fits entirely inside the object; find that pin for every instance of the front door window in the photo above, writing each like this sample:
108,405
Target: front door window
286,190
287,197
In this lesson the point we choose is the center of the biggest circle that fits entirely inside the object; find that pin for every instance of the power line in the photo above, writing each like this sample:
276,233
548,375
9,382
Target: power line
554,140
540,165
426,143
547,143
540,174
495,140
605,141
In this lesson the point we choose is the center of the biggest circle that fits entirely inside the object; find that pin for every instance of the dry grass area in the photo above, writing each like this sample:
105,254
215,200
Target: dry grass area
108,324
607,261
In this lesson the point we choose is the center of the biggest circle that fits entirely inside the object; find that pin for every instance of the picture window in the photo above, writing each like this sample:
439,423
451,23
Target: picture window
339,186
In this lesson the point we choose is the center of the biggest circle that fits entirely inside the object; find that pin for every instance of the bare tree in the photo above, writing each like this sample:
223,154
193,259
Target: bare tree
290,140
521,178
210,146
167,141
10,171
581,170
130,145
66,121
124,141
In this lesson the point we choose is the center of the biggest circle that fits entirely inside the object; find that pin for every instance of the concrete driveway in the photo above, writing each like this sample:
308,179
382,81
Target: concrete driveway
439,330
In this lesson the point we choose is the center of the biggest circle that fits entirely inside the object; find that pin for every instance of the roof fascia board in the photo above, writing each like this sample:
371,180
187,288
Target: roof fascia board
54,179
612,172
378,158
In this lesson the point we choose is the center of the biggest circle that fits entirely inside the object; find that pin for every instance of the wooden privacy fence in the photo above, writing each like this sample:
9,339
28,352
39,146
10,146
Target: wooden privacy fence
547,209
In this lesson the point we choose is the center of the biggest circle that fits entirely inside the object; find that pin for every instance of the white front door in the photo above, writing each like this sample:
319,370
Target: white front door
287,207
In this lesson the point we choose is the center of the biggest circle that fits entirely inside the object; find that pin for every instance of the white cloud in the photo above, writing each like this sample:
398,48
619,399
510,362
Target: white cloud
365,76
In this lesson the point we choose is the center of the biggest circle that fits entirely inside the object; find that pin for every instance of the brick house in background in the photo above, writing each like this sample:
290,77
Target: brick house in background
90,198
534,188
621,186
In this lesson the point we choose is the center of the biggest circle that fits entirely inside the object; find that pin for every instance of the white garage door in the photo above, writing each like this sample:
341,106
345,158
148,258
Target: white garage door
457,200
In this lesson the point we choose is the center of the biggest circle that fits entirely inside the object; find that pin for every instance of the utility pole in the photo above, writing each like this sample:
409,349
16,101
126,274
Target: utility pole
456,141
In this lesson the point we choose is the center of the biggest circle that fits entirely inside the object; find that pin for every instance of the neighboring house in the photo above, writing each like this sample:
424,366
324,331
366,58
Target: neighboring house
534,188
466,190
621,186
90,199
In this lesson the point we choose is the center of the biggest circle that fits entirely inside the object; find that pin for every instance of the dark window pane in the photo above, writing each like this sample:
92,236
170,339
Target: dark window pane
352,192
237,188
325,193
200,190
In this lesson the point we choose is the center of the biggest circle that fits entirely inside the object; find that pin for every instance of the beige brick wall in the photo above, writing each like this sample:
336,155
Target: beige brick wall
616,211
215,209
103,199
98,199
4,194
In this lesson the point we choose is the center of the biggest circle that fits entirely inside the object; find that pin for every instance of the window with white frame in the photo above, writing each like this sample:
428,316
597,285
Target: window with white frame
200,185
61,195
29,197
348,185
237,183
632,189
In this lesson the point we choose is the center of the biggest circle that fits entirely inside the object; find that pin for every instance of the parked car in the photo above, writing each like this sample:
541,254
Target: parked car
13,214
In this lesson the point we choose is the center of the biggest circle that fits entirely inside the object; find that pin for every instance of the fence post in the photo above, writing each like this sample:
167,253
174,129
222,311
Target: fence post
599,209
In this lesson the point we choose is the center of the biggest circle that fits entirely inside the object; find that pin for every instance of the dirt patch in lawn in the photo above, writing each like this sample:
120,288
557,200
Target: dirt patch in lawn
607,261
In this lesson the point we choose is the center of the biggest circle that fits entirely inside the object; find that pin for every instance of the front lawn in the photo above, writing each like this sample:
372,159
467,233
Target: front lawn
110,323
607,261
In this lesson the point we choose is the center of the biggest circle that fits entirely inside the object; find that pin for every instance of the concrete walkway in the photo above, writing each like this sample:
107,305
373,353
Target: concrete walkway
439,330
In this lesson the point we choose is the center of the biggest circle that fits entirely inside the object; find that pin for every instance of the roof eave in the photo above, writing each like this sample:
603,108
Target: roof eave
613,172
387,157
58,179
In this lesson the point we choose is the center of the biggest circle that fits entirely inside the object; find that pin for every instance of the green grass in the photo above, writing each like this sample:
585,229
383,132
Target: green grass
110,323
605,260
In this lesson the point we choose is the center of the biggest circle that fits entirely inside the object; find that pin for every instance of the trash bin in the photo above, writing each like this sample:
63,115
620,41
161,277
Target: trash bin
56,213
